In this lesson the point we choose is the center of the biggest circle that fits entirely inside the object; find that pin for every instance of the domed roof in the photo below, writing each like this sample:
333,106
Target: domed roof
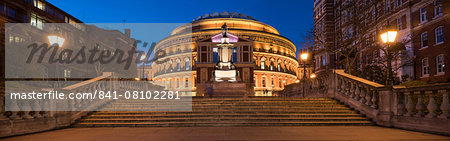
224,15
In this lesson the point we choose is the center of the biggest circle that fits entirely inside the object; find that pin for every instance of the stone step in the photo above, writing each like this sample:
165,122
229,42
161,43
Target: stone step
224,115
219,124
225,112
212,119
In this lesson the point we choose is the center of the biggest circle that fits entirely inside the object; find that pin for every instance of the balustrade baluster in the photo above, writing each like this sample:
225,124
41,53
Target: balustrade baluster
357,91
36,108
410,105
445,106
374,99
368,96
352,89
14,107
347,88
363,94
420,107
26,107
400,104
343,87
432,106
15,115
338,85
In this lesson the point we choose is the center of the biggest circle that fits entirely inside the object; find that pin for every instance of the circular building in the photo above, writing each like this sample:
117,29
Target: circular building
265,60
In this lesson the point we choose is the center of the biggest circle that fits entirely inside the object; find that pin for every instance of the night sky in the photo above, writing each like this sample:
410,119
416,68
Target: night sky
290,17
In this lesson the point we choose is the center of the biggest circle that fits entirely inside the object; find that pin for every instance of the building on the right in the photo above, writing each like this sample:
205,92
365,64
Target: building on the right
347,36
431,39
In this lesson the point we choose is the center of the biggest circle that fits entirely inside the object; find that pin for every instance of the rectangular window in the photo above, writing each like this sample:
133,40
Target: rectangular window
399,24
423,15
203,55
440,64
439,35
2,9
437,8
398,3
186,82
39,4
36,21
388,5
263,82
424,39
323,61
11,13
425,67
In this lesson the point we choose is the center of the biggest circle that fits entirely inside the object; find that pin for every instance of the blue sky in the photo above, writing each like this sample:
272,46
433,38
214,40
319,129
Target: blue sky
291,17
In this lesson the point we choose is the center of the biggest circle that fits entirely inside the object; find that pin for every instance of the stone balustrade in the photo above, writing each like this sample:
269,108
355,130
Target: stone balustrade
415,108
42,115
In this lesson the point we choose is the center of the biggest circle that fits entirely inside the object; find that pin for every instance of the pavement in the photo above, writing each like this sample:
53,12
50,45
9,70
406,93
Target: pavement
228,133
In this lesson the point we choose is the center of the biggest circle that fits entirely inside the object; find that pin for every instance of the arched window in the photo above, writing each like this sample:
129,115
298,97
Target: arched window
187,65
170,65
178,65
262,63
271,64
279,65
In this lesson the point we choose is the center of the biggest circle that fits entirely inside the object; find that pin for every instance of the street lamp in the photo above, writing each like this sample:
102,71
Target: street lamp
143,65
313,75
304,57
387,38
59,42
56,40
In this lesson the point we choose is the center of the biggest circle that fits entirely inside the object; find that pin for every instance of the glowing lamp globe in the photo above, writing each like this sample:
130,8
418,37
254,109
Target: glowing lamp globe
56,40
389,36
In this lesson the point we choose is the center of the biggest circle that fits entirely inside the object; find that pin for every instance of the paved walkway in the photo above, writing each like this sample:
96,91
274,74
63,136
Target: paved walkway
229,133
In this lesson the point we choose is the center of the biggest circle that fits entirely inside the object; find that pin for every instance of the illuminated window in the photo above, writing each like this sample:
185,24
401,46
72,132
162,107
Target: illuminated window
39,4
262,63
271,64
279,65
66,74
187,65
36,21
440,64
178,65
272,81
425,67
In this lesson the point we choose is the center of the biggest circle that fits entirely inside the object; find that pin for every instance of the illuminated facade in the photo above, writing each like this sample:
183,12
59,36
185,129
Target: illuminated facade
264,59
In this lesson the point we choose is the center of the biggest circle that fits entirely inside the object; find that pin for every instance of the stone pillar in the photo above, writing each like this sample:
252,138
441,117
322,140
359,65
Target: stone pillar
385,107
332,84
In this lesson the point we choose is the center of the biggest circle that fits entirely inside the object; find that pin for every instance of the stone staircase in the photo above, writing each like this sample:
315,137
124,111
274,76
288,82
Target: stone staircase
272,111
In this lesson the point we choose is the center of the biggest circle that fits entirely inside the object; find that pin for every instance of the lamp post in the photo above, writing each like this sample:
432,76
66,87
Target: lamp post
143,65
304,57
387,38
58,41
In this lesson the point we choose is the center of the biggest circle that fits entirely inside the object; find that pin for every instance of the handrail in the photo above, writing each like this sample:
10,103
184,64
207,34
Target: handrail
80,84
373,84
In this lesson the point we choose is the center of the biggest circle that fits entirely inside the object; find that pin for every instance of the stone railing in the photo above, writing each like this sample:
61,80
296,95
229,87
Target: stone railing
42,115
414,108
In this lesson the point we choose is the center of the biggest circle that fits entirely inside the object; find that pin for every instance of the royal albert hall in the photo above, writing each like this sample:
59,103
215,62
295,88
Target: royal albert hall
265,60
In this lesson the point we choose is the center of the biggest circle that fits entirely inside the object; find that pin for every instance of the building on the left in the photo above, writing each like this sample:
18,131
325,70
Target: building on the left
39,16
